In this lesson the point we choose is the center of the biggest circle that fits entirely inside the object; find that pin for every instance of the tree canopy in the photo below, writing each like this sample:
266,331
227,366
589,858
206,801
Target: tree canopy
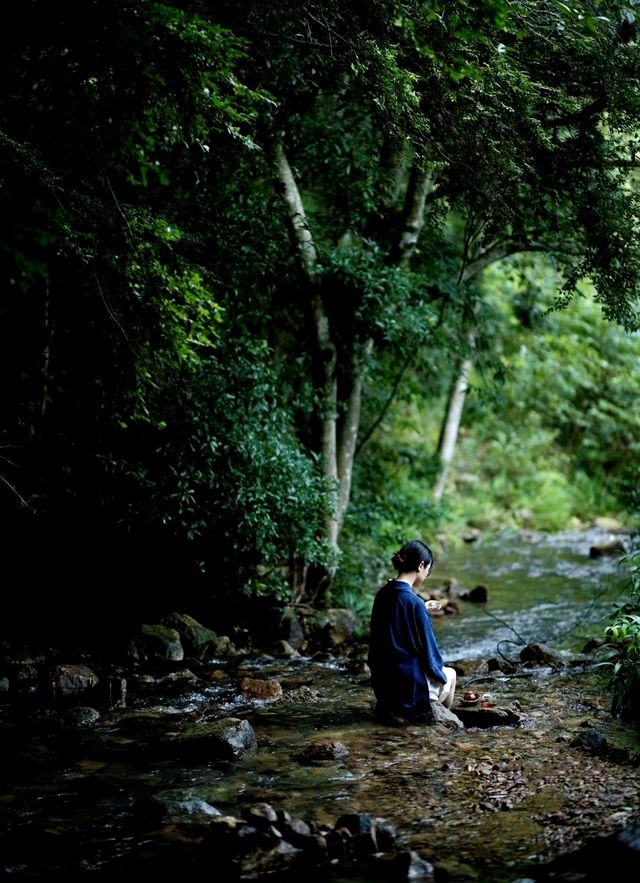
229,230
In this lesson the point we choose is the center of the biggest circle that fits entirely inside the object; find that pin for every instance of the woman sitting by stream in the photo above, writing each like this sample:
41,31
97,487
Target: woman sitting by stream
407,670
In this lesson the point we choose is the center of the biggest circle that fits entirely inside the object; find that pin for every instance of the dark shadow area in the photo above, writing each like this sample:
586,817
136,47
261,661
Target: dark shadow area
81,581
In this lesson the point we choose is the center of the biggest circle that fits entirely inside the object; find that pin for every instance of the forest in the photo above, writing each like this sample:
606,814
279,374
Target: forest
252,251
288,284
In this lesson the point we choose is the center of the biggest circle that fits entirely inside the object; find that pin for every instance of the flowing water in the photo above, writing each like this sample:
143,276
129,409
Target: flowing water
544,587
74,800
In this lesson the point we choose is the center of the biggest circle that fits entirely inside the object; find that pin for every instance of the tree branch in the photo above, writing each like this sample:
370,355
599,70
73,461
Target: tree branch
17,493
598,105
383,411
496,253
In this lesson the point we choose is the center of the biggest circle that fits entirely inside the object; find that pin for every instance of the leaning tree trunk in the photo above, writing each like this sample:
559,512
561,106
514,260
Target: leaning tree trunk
348,435
460,384
315,581
452,419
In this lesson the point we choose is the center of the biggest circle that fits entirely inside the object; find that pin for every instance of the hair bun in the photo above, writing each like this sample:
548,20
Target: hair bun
409,557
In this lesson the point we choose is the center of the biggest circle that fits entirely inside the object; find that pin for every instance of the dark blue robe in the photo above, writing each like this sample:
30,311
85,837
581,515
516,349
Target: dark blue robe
403,652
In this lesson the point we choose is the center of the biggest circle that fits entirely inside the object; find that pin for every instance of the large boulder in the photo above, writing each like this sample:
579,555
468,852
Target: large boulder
609,525
197,640
614,546
290,628
332,627
161,642
478,595
81,716
466,667
536,656
72,680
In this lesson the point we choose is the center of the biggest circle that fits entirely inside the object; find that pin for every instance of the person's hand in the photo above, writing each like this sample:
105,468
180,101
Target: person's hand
432,606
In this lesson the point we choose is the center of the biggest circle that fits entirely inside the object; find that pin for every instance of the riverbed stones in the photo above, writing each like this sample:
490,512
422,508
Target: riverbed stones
402,866
614,546
536,656
365,834
299,695
283,650
198,640
601,858
591,740
293,829
72,680
81,716
224,647
173,808
256,688
483,718
183,678
160,642
260,815
260,863
332,627
227,739
477,595
322,750
446,717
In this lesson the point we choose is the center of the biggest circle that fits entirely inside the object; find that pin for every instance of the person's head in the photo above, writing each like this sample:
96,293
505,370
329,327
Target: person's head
414,557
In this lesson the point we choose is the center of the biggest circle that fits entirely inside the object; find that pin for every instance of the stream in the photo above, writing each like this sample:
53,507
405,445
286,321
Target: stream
480,804
545,587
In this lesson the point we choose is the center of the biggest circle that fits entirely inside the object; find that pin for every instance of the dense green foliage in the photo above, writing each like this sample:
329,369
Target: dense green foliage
621,653
168,385
554,423
128,406
550,437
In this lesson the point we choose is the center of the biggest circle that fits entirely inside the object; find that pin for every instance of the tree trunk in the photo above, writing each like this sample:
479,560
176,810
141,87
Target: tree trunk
349,425
297,215
326,354
420,185
341,390
451,425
